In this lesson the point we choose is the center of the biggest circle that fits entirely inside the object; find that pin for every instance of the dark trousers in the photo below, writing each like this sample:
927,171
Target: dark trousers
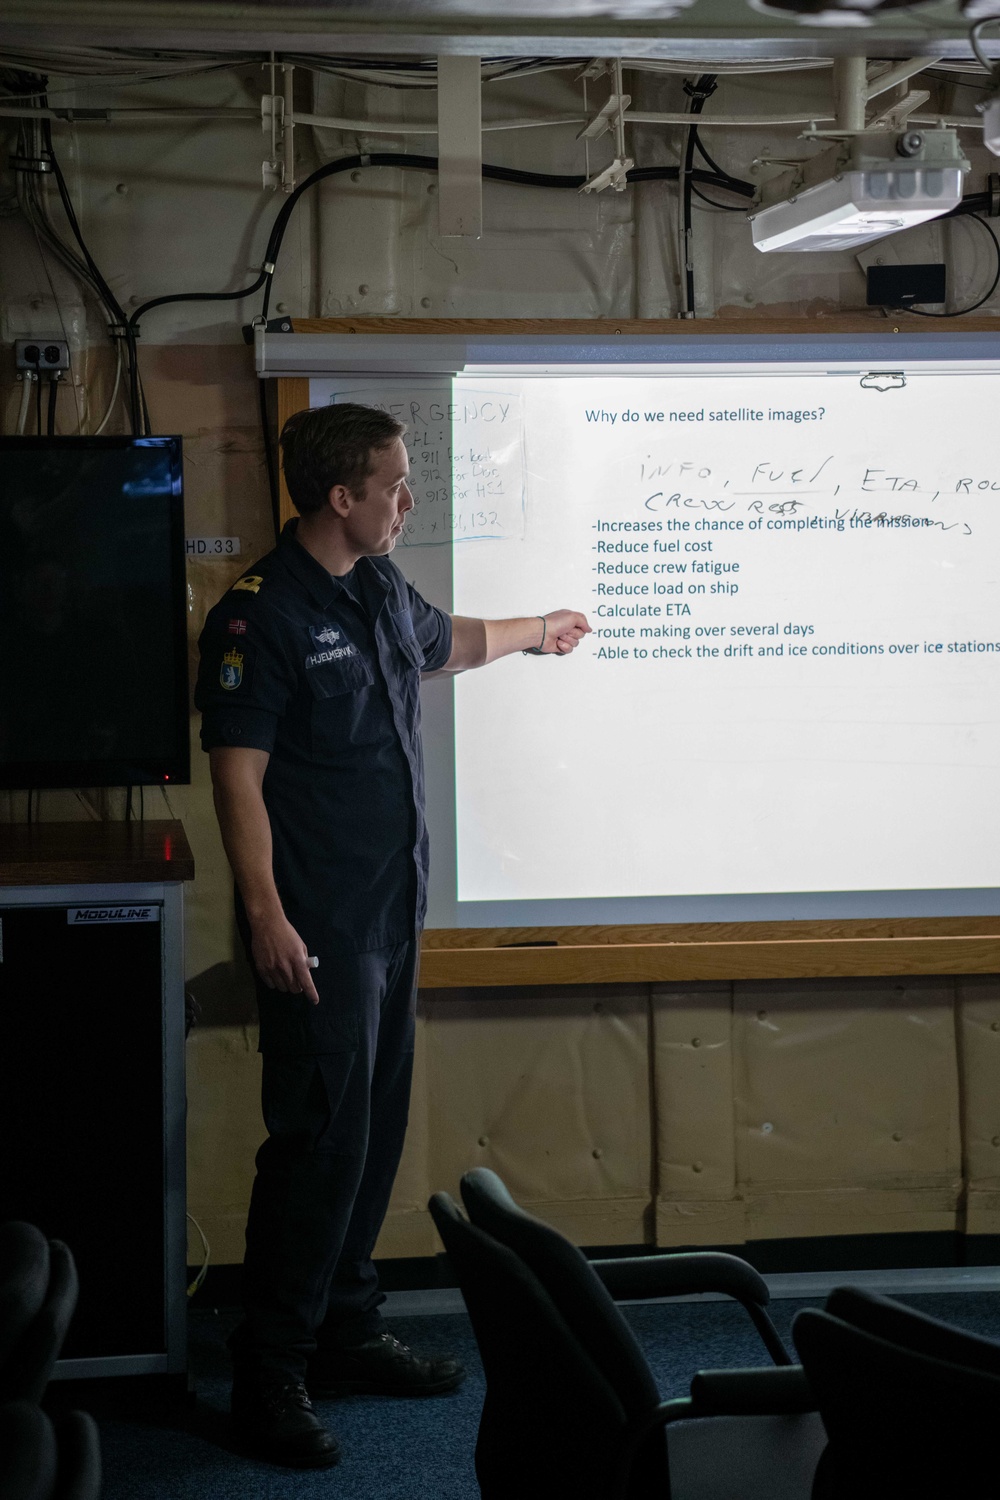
336,1122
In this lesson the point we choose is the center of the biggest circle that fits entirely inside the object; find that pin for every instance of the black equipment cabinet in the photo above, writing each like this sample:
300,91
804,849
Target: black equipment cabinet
92,1088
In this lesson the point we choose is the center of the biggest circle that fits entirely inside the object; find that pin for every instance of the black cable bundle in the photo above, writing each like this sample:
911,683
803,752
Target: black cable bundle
34,158
698,92
410,160
120,325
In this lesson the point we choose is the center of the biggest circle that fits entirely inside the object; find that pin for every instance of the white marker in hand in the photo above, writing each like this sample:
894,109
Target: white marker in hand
313,963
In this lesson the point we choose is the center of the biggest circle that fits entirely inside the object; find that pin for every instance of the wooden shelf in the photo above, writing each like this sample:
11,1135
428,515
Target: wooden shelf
94,853
710,951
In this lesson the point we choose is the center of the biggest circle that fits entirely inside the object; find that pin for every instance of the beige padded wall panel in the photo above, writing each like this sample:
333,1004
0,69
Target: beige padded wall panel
979,1061
551,1090
208,394
408,1229
847,1116
224,1131
697,1201
819,1108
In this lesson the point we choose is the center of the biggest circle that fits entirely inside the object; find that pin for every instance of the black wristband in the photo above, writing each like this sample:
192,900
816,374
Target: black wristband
538,650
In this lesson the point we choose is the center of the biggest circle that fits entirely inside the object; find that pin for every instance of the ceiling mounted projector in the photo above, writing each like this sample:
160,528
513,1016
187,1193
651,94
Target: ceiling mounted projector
865,187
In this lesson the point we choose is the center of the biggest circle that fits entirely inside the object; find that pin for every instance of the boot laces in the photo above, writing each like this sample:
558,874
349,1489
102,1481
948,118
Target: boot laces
278,1398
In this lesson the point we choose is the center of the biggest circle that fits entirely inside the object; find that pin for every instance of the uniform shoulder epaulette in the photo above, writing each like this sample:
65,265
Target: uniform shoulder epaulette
250,583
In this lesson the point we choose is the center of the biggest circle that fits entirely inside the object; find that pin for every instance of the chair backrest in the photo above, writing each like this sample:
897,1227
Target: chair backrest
27,1370
24,1278
571,1282
553,1423
891,1320
79,1457
28,1455
899,1422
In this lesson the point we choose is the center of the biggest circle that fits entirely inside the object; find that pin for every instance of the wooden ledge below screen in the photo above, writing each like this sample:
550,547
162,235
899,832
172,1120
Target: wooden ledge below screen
476,957
93,853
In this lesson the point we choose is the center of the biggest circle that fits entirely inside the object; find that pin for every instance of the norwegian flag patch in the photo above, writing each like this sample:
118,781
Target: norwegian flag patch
237,627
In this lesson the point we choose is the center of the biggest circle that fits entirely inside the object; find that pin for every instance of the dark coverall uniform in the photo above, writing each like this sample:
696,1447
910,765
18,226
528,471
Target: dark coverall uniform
324,674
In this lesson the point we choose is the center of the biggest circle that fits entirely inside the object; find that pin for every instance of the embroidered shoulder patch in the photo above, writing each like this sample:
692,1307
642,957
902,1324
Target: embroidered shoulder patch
251,583
231,671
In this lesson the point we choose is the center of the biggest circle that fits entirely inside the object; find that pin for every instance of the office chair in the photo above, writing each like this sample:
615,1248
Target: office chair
910,1405
571,1407
28,1455
24,1279
569,1277
38,1326
902,1325
39,1461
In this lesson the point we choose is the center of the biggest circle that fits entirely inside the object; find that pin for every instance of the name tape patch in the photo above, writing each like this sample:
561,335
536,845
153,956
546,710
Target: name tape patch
319,657
97,916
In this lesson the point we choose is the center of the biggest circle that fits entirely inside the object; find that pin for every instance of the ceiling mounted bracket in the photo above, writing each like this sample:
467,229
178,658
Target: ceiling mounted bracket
460,146
611,116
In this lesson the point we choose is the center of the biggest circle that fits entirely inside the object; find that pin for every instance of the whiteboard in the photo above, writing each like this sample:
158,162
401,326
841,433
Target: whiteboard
788,706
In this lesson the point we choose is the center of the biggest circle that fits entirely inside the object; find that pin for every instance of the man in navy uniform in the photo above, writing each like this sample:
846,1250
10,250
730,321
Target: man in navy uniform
309,692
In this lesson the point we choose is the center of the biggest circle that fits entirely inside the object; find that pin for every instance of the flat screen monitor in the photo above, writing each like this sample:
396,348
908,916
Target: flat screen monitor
93,639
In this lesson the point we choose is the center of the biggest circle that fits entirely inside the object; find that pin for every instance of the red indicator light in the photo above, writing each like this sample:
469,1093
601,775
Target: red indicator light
167,848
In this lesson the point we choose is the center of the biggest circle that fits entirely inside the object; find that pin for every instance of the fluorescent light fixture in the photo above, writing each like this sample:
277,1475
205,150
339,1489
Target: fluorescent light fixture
863,192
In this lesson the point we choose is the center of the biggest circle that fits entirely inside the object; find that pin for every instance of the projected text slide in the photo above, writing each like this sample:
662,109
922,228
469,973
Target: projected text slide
792,681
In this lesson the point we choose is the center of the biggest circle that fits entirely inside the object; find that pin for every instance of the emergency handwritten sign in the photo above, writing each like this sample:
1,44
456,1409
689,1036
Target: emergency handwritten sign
466,457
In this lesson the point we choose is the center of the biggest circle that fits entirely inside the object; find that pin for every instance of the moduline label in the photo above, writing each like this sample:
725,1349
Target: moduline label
97,916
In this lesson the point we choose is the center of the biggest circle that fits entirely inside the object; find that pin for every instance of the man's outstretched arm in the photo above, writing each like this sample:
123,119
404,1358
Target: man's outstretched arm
475,643
237,787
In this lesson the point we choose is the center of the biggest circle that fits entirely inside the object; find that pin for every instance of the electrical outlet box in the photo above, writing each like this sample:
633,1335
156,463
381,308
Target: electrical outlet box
41,354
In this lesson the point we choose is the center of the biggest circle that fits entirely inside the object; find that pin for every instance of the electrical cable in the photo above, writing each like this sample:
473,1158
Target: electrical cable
58,308
38,405
206,1256
50,421
406,159
122,328
961,312
726,208
711,162
703,152
698,92
114,391
22,411
33,204
55,62
984,62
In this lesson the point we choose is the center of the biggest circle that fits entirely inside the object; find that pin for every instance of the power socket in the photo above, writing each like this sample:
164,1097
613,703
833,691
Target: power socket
41,354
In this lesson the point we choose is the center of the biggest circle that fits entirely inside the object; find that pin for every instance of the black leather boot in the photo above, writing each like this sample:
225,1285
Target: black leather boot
273,1419
381,1366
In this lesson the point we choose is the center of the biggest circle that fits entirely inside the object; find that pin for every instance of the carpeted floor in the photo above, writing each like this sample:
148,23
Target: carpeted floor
418,1450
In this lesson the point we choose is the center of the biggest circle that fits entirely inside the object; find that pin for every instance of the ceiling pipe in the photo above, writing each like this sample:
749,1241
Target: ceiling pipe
899,74
850,90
